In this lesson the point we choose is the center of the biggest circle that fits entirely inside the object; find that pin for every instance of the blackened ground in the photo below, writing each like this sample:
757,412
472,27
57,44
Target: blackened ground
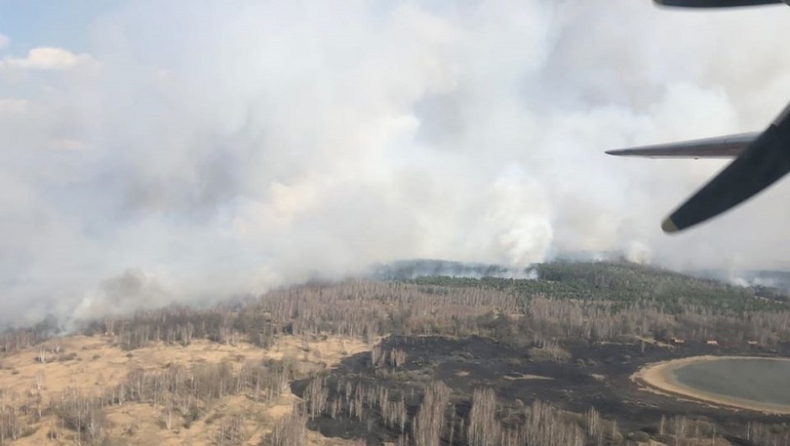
596,376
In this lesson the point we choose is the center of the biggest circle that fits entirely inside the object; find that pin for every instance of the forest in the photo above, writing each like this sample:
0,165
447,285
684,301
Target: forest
562,303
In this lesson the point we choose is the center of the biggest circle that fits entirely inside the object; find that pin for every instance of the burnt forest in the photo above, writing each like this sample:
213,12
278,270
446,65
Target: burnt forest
406,356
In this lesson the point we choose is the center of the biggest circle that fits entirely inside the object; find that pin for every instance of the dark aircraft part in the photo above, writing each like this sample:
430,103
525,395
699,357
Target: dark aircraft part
720,147
761,159
715,3
765,161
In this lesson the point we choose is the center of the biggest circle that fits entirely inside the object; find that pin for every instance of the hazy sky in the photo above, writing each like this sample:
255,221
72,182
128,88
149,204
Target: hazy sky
154,151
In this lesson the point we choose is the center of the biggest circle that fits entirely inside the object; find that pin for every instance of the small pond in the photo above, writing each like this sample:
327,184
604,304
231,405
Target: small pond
760,380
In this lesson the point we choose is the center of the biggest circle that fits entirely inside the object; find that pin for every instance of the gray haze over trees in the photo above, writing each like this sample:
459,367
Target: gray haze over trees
588,303
163,152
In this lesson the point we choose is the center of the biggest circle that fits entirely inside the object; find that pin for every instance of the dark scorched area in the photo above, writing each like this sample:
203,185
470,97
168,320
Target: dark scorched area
596,375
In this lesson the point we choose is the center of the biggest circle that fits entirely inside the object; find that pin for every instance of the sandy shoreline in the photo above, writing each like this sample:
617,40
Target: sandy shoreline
658,378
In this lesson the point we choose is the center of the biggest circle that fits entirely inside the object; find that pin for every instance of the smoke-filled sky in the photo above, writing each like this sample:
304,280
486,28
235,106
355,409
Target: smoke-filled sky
157,151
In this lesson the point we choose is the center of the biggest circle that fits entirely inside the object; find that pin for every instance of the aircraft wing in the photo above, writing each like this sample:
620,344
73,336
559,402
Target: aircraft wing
762,159
715,3
765,160
719,147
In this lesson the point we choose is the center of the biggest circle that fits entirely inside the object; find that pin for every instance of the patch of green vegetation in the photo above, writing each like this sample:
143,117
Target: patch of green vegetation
621,284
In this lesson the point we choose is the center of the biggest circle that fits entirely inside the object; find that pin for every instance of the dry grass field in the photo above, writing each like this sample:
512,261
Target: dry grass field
32,380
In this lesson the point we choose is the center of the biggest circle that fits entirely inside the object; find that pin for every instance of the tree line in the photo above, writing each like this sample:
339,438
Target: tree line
593,302
605,302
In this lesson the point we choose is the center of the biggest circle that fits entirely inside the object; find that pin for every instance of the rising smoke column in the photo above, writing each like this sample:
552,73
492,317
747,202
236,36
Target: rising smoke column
196,151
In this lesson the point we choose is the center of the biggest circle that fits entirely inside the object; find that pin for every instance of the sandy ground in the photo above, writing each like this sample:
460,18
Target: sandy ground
527,377
657,377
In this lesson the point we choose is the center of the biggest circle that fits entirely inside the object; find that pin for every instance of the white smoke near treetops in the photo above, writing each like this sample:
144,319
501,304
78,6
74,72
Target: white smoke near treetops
203,149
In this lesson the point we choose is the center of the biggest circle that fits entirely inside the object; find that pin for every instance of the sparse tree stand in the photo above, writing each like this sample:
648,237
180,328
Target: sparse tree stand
592,302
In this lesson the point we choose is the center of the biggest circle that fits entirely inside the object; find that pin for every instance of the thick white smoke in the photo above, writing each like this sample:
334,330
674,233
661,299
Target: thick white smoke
198,150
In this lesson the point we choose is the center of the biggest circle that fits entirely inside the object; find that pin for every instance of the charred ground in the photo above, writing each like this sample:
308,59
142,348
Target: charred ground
540,359
592,375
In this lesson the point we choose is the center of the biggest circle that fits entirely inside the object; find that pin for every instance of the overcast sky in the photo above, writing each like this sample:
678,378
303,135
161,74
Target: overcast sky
155,151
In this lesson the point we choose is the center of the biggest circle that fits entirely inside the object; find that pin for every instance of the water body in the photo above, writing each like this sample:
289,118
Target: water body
759,380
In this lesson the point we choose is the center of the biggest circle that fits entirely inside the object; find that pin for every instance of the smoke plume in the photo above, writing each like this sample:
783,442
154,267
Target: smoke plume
196,150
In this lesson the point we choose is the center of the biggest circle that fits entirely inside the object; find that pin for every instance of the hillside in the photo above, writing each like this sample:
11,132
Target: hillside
405,360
